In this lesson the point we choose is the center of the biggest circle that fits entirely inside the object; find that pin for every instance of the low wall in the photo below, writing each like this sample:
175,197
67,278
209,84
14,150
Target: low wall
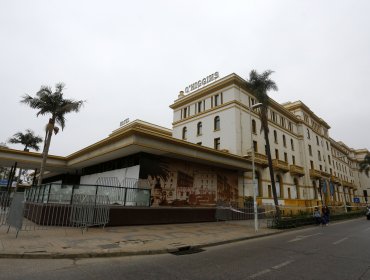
58,215
160,215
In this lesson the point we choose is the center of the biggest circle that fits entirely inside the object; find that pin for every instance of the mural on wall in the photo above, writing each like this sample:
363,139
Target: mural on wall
180,183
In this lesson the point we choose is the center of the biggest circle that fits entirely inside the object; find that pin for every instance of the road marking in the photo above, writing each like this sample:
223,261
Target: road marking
259,273
340,241
282,264
301,237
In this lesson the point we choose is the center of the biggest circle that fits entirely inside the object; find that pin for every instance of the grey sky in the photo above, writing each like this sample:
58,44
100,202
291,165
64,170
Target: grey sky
129,59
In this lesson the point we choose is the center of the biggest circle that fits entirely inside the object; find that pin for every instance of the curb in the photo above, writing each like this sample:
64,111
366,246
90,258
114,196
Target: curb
86,255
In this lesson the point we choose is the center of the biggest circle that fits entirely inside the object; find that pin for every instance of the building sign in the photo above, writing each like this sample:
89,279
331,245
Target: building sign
202,82
124,122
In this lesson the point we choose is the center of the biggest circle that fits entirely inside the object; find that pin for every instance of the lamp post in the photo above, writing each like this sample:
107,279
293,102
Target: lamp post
253,169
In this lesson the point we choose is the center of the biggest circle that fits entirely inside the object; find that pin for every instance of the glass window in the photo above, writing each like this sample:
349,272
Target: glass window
217,123
217,143
292,144
199,128
184,133
254,128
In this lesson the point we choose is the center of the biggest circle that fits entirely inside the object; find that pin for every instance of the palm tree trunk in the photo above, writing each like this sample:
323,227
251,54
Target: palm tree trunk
264,122
49,133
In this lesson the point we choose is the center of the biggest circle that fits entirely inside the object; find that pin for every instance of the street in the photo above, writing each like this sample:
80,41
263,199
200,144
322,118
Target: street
335,252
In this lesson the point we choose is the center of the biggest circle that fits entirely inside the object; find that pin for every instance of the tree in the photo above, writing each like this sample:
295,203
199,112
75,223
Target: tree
260,84
53,103
4,171
28,139
365,165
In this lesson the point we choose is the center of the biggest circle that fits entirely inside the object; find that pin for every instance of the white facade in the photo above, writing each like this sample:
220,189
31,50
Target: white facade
218,116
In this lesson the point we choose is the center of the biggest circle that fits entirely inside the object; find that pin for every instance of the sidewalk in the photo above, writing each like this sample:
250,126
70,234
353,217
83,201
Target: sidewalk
122,241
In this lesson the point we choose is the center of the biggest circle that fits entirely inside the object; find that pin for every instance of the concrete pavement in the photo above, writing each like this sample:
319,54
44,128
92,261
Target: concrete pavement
122,241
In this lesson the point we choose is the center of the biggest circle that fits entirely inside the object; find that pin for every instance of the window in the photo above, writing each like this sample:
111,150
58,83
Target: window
308,134
285,157
255,147
310,150
319,155
317,140
254,128
199,128
292,144
275,136
184,112
329,159
269,190
293,159
311,164
327,145
217,101
199,143
284,141
217,143
199,106
276,153
320,167
290,126
217,123
184,133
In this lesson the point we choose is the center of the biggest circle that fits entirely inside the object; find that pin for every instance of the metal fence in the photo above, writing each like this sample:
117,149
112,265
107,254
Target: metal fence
266,213
84,212
64,194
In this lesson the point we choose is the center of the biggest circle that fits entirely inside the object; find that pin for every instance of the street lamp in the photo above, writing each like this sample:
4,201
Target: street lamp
253,168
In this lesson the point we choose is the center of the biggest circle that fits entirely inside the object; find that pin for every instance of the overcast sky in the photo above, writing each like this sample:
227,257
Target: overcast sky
130,59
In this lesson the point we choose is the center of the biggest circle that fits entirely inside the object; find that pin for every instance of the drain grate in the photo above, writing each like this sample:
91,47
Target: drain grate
187,250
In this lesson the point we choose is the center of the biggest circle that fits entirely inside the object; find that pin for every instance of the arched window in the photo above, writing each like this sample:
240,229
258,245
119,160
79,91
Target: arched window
259,184
292,144
279,187
199,128
254,129
184,133
275,136
296,189
315,191
217,123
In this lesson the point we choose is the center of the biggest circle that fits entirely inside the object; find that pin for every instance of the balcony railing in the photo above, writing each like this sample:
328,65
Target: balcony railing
297,170
315,173
325,174
280,165
258,158
334,179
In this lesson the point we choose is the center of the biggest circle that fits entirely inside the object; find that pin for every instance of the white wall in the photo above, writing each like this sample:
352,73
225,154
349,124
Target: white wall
120,174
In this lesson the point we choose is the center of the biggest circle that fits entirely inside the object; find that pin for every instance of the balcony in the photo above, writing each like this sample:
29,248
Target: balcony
258,158
296,170
334,179
315,173
325,174
280,165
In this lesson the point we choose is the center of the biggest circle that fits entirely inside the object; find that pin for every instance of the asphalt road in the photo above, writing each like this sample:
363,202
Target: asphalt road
335,252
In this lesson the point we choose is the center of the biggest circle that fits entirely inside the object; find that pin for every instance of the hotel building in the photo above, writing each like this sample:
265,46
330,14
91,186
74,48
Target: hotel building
207,155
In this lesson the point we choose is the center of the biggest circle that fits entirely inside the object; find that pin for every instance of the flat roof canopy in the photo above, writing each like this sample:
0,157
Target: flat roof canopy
134,138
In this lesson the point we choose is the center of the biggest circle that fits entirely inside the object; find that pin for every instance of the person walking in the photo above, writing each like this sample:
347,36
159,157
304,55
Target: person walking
325,212
317,215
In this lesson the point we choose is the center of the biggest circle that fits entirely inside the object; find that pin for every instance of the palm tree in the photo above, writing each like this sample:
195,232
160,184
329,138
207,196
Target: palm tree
28,139
53,103
260,84
365,165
